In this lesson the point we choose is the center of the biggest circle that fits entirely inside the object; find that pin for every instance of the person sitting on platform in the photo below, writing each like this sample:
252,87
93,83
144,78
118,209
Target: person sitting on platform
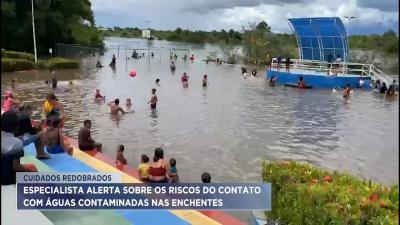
85,140
143,168
54,137
30,134
120,155
11,150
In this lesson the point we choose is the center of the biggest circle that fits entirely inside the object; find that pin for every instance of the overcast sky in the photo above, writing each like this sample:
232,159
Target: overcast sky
372,16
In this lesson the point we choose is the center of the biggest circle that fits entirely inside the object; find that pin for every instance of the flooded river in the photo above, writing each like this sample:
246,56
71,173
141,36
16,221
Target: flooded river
228,127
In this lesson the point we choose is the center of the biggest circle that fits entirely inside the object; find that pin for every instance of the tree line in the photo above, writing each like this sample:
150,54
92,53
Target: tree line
56,21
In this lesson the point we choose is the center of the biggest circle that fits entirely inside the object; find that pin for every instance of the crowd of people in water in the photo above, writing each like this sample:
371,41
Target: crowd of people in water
18,130
47,135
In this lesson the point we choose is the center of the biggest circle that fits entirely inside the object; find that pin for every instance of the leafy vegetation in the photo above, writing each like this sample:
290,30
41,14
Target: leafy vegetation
17,55
302,194
18,61
56,21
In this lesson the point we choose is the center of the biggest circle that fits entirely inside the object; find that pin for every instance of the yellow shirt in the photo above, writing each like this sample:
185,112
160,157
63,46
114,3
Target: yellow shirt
47,107
144,170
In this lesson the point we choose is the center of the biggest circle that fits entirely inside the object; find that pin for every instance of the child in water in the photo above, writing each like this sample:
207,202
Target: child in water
129,105
120,155
173,173
144,168
346,91
205,82
158,82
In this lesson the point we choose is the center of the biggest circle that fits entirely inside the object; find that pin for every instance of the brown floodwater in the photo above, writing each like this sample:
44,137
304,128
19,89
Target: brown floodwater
228,127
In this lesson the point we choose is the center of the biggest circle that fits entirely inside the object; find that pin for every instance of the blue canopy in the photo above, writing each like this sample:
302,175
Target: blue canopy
322,38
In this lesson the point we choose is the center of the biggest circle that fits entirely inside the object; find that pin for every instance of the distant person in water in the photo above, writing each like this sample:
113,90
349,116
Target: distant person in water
152,54
98,96
115,108
346,91
205,81
13,83
391,90
85,140
244,70
10,103
185,80
192,57
377,85
185,57
301,83
206,178
129,105
157,82
113,61
172,66
54,79
254,73
272,81
98,64
153,99
383,88
120,155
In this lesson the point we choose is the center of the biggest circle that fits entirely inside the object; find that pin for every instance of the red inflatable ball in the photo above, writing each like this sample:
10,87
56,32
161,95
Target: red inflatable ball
132,73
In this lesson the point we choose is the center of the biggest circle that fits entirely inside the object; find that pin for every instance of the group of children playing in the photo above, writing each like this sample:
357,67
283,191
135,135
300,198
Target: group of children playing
144,167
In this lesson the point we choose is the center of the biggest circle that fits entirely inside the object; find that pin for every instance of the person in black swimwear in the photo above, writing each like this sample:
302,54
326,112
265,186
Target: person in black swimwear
153,99
205,81
54,79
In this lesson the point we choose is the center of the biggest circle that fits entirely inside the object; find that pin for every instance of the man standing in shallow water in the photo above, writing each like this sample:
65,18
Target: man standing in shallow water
115,108
153,99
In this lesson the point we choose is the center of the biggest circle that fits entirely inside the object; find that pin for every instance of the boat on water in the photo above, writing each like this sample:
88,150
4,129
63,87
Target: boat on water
324,58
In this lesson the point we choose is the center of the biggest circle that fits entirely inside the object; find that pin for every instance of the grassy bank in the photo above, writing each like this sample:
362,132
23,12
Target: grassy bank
302,194
18,61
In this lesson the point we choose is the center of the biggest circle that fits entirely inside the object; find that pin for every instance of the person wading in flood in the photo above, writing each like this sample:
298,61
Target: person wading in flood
115,108
54,79
153,99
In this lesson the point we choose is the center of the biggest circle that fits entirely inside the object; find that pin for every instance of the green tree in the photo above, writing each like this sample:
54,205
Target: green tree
56,21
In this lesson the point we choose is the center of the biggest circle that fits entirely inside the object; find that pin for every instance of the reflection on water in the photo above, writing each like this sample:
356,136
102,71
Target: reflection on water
228,127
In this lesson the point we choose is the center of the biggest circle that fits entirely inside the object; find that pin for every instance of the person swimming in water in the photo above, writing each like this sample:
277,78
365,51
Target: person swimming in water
172,66
185,79
153,99
347,91
205,81
272,81
115,108
98,96
157,82
54,79
128,105
383,88
98,64
301,83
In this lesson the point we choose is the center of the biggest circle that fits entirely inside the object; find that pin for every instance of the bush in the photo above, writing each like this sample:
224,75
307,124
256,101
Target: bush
9,65
61,63
302,194
17,55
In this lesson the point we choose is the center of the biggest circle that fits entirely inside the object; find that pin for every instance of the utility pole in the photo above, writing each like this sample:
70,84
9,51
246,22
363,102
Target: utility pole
349,18
34,36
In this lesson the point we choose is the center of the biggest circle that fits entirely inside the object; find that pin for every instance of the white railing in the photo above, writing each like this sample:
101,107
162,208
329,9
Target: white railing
334,68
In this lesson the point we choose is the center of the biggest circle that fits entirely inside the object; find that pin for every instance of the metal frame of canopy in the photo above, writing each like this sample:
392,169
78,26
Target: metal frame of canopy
318,37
